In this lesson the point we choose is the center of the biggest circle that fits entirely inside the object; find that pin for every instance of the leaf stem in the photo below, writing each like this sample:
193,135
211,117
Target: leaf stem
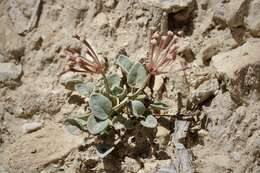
106,84
141,88
121,104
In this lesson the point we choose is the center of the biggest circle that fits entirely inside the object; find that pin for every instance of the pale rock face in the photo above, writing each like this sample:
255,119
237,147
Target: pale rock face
9,71
205,90
17,17
31,127
253,17
171,5
236,12
43,147
100,21
231,61
212,48
11,44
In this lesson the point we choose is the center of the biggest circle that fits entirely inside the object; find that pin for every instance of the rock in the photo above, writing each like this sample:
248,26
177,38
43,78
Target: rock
110,4
49,145
3,58
231,14
219,16
26,6
211,49
217,163
171,5
204,4
14,45
186,51
153,166
17,17
2,170
234,60
9,72
236,11
11,44
162,131
252,19
100,21
131,165
221,108
39,101
3,21
139,13
204,91
31,127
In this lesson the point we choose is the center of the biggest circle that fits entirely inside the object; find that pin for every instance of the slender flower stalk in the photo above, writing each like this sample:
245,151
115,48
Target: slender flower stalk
88,64
162,53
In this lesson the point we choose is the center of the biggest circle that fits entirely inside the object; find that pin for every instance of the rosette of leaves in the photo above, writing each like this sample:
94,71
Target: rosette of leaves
117,97
120,98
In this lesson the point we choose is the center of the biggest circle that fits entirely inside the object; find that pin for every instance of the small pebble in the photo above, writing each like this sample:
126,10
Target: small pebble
31,127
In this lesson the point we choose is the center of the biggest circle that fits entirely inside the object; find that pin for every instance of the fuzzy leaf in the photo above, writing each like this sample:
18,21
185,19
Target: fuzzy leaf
84,89
137,108
136,76
149,122
104,151
141,97
72,129
159,106
100,105
80,122
117,90
70,83
95,127
125,63
113,81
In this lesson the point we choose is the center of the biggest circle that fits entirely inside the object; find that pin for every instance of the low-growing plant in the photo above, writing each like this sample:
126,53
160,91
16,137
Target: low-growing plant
123,99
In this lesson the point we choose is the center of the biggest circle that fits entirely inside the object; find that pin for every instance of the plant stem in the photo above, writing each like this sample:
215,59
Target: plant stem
106,84
141,88
121,104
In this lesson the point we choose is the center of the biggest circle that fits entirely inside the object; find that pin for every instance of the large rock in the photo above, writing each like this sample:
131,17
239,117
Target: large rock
231,14
9,72
171,5
205,91
14,45
232,61
222,41
252,20
236,11
17,17
32,152
11,44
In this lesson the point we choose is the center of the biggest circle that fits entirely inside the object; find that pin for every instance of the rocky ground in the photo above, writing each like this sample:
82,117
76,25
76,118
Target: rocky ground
219,42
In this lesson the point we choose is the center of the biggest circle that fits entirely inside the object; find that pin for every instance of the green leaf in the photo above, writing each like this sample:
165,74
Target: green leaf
125,63
137,108
149,122
117,90
80,122
113,81
137,76
70,83
159,106
95,127
100,105
85,89
141,97
72,129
